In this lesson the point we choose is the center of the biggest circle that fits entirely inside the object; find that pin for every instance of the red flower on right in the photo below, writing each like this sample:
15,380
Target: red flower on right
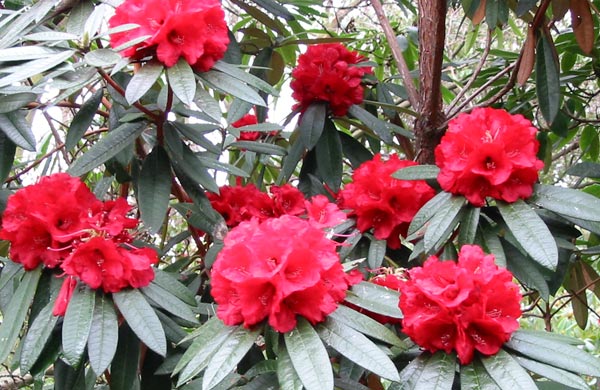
489,152
465,306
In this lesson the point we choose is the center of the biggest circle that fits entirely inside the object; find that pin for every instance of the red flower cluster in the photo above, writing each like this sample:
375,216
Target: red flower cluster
381,202
243,203
277,269
248,120
489,152
329,73
192,29
58,222
466,306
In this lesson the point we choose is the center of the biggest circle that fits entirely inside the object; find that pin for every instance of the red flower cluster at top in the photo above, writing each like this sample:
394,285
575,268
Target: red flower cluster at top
192,29
466,306
277,269
243,203
489,152
329,73
58,222
382,202
248,120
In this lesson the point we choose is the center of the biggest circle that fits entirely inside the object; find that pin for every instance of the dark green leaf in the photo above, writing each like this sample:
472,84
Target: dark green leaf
437,373
354,150
182,81
475,377
15,126
237,110
309,356
108,147
357,348
154,188
124,367
382,129
428,210
311,124
37,335
245,77
443,223
77,323
567,202
23,53
286,374
7,155
410,375
35,67
14,316
169,302
13,102
496,13
104,334
526,270
468,225
230,85
417,172
492,242
168,281
547,78
102,57
228,355
375,298
143,79
83,119
142,319
366,325
507,373
376,253
585,169
329,157
275,8
531,232
553,373
259,147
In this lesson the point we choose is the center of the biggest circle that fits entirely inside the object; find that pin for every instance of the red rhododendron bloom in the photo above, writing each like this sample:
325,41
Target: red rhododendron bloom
489,152
193,30
42,219
329,73
322,213
64,296
465,306
277,269
383,203
247,120
241,203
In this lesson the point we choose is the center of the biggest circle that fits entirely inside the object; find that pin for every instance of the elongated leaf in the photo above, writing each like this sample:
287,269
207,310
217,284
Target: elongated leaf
366,325
553,373
547,78
312,123
83,119
142,81
14,125
108,147
417,172
384,130
7,155
375,298
245,77
169,302
309,356
37,335
154,188
492,243
428,210
230,85
567,202
35,67
104,334
259,147
357,348
226,358
215,164
77,323
526,270
531,232
169,282
468,225
13,102
142,319
329,157
376,253
442,224
585,169
496,13
51,36
286,374
507,373
182,81
14,316
356,152
411,373
124,367
475,377
102,57
555,353
437,373
24,53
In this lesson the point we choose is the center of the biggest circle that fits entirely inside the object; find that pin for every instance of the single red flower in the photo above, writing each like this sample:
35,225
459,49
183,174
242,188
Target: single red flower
465,306
193,30
329,73
287,200
384,203
277,269
241,203
489,153
322,213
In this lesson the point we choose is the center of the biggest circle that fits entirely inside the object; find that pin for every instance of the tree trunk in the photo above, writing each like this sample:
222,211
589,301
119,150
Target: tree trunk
432,36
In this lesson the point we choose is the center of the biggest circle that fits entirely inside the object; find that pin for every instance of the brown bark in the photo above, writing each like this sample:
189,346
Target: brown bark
432,36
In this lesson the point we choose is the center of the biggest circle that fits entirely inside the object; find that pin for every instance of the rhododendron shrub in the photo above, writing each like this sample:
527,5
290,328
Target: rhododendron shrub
278,269
472,305
381,202
329,73
193,30
489,153
58,222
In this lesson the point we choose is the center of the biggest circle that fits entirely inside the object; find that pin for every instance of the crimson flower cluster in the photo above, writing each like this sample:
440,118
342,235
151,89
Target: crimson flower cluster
248,120
489,152
384,203
191,29
329,73
277,269
243,203
59,223
465,306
